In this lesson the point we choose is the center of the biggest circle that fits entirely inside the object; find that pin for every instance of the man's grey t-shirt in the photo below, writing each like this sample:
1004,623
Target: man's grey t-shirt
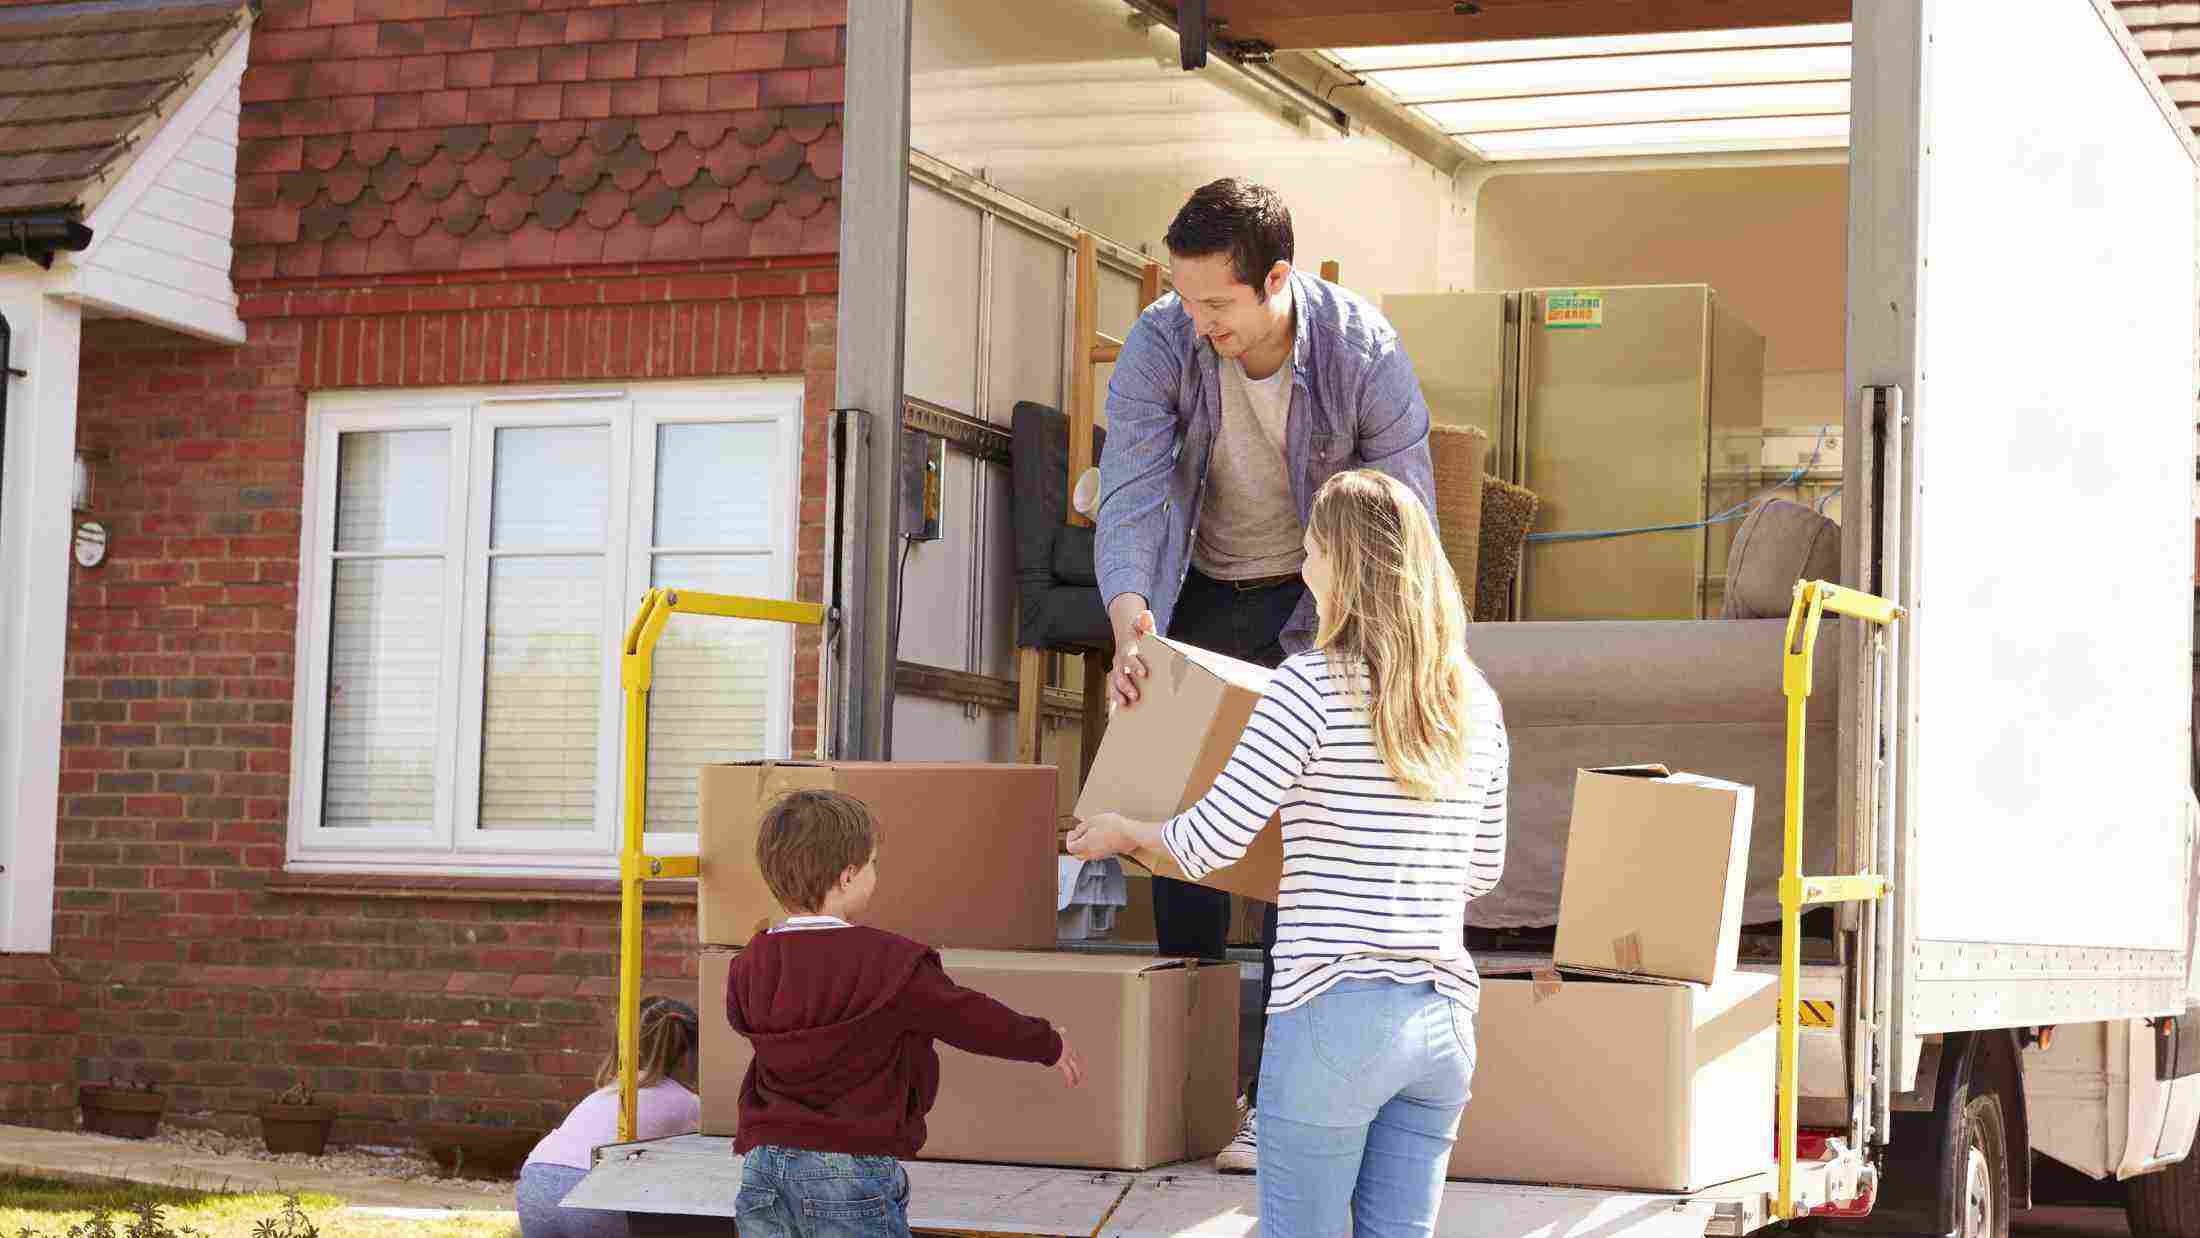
1249,528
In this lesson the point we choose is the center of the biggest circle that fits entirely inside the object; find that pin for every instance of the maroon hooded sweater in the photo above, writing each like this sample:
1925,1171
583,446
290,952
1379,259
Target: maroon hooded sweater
843,1021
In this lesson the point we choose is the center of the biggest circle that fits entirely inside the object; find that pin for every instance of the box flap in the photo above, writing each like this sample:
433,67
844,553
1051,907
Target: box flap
1631,771
1576,971
1222,666
1065,961
807,763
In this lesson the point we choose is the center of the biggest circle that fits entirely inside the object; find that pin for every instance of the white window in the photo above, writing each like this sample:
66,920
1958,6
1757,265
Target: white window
470,563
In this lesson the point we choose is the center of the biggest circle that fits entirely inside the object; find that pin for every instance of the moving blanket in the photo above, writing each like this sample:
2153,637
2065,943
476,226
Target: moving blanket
1701,696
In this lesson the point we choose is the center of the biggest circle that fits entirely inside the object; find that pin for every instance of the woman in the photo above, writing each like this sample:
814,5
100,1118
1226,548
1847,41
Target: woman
663,1106
1385,749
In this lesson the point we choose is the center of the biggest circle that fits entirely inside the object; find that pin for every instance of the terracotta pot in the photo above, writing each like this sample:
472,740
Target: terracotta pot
466,1150
129,1113
296,1128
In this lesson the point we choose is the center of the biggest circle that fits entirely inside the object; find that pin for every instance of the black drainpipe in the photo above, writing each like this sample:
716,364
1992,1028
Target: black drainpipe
39,237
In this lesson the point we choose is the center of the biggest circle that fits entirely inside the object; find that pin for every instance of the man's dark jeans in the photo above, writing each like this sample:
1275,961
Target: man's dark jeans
1246,624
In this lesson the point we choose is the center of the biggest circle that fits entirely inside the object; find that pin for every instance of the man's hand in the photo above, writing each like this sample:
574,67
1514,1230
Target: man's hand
1069,1064
1128,615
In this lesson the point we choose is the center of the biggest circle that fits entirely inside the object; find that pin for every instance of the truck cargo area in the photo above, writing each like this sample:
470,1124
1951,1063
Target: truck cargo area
1638,334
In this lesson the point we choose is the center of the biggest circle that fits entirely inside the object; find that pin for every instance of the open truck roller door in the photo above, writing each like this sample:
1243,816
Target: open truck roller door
2014,756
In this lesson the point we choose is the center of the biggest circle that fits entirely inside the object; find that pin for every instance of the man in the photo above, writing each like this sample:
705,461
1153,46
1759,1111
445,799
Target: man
1233,400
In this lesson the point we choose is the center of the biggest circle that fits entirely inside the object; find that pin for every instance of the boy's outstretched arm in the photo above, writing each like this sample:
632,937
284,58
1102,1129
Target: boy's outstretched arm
975,1023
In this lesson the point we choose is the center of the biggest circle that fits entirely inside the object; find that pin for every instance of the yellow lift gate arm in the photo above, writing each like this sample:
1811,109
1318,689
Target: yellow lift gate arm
1813,598
636,660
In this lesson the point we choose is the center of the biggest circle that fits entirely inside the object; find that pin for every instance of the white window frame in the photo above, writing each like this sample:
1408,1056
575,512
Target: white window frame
454,844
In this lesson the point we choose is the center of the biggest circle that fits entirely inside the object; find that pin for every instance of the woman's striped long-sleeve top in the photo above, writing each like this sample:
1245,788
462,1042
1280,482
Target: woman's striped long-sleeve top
1375,880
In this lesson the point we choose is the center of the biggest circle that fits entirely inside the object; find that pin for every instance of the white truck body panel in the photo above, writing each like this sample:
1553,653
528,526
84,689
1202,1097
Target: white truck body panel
2022,267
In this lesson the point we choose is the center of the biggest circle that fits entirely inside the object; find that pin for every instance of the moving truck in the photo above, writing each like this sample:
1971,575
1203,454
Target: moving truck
2016,386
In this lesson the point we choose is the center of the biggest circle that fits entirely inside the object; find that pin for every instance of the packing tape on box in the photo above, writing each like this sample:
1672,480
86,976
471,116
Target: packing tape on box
1627,952
1547,983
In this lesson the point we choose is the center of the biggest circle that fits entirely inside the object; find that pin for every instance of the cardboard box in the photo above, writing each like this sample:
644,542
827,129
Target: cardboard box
1159,756
1643,1084
1159,1038
966,850
1655,864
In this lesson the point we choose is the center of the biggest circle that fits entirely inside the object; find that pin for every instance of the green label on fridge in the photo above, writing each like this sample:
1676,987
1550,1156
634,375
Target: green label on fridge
1573,311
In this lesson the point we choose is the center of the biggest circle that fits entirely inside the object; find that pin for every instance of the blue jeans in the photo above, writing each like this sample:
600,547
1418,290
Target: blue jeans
541,1187
1361,1090
791,1193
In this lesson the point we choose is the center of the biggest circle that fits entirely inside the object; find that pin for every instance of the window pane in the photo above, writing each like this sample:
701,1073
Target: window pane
712,683
385,665
714,485
553,487
541,683
391,488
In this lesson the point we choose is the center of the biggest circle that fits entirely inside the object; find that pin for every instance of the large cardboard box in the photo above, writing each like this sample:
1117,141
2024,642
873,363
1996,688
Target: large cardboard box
1159,1039
1644,1084
966,850
1655,863
1159,756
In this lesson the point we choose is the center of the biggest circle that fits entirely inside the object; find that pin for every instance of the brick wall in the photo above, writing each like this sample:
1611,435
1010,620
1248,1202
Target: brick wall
430,193
182,952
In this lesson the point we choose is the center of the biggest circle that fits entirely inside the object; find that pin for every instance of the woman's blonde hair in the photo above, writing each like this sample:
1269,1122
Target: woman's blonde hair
668,1038
1394,607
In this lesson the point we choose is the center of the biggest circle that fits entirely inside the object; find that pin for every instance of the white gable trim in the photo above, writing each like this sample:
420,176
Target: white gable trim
162,235
35,530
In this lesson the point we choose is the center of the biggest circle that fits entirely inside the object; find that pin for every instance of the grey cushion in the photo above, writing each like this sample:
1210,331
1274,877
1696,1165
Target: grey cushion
1058,601
1779,544
1702,696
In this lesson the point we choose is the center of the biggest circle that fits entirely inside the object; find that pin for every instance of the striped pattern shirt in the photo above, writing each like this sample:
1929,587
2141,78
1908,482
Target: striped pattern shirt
1375,881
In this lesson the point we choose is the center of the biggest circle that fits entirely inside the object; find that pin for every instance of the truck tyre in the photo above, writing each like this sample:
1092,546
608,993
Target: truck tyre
2165,1203
1983,1206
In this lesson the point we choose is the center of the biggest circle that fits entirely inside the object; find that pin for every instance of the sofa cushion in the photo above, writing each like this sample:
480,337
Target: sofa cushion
1058,602
1780,543
1701,696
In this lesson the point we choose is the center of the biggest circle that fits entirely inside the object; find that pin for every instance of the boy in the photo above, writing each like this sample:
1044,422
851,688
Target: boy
843,1019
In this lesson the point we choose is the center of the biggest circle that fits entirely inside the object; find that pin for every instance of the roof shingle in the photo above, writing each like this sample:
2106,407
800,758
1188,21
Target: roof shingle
2169,34
381,136
80,90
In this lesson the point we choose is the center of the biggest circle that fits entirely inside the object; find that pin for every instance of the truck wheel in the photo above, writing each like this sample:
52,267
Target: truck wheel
2165,1203
1984,1204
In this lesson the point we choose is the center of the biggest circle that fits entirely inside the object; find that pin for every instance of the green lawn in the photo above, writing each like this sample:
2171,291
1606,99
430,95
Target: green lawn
51,1209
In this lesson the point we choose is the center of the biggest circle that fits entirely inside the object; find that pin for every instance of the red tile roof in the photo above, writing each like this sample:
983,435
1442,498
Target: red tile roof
80,91
386,136
2170,36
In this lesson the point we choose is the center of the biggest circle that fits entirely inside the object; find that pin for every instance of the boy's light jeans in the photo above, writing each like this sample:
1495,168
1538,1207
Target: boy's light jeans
1360,1095
790,1193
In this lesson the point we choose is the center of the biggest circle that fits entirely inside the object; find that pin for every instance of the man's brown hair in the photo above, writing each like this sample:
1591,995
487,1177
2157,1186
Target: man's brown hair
807,840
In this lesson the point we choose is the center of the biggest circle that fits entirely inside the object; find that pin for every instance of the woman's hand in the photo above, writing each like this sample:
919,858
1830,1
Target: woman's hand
1108,833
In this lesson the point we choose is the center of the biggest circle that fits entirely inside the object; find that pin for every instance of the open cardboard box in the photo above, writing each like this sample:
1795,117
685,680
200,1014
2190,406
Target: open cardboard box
1160,755
966,849
1159,1039
1645,1084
